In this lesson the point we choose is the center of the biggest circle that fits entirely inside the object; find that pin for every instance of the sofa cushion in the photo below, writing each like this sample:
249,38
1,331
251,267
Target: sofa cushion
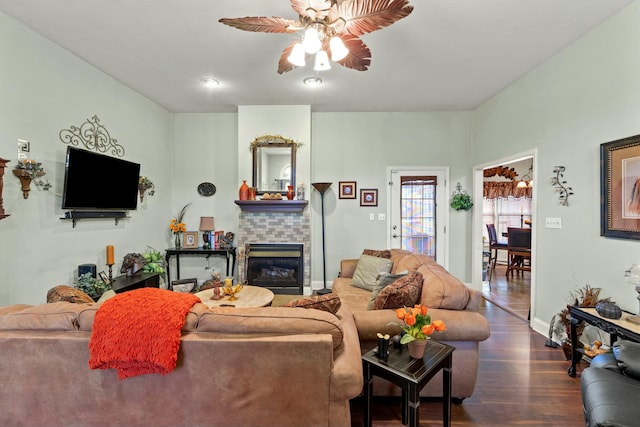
56,316
442,290
270,321
368,269
383,280
627,354
405,291
380,254
329,302
67,293
396,257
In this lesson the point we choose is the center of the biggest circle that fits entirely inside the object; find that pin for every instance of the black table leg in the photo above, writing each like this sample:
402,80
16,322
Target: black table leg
368,391
575,356
446,388
413,405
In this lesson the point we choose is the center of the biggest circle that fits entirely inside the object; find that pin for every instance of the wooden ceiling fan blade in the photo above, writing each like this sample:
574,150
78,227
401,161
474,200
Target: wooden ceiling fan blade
314,9
359,57
366,16
263,24
284,66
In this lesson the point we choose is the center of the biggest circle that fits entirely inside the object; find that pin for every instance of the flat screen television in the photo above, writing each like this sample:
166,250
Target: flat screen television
94,181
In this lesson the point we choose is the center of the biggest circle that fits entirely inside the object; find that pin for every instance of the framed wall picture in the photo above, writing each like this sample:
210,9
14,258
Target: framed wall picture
620,188
369,197
103,276
347,189
190,239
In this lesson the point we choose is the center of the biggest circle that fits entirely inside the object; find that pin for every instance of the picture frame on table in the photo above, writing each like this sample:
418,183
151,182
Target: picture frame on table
184,285
369,197
103,276
620,188
347,189
190,239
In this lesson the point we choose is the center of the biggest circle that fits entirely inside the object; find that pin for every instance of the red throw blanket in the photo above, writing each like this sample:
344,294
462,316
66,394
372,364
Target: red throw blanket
138,332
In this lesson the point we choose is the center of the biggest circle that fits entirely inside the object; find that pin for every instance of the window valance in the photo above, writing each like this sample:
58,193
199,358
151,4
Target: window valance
502,190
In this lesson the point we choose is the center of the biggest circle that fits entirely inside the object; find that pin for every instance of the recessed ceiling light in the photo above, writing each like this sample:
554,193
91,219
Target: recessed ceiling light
312,81
209,82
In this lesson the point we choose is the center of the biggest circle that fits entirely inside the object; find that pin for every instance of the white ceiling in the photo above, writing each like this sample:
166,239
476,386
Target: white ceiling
446,55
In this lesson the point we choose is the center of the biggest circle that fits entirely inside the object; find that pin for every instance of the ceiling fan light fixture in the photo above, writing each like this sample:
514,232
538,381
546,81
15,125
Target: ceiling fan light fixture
322,61
210,82
297,56
312,81
311,40
338,49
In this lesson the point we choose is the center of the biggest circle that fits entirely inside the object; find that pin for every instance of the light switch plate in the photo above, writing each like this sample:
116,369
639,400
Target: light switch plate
553,222
381,217
372,217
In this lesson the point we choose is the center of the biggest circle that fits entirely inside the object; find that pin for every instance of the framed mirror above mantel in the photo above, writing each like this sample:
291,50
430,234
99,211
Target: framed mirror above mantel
274,164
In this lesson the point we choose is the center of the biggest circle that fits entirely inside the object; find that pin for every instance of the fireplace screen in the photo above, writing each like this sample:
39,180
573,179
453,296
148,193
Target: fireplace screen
276,266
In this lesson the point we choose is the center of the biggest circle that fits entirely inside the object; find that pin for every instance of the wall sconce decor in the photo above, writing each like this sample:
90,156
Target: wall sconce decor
558,182
28,170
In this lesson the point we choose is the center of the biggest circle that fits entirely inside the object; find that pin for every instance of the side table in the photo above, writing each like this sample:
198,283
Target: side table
129,283
614,327
411,375
228,254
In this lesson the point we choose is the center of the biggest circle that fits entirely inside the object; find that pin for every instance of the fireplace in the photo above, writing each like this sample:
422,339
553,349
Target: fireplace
275,266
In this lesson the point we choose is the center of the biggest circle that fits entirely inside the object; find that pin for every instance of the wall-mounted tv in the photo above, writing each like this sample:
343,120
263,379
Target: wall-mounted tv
95,181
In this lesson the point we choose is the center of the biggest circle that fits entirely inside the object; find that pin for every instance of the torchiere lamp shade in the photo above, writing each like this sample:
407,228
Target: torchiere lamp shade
321,186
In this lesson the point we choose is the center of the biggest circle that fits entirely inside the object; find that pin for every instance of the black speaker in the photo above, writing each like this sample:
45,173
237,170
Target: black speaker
87,268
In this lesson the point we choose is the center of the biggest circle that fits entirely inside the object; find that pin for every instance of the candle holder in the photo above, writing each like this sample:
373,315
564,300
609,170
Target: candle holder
110,272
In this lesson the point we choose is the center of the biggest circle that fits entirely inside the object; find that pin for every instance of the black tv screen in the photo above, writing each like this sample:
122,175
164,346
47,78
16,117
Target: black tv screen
96,181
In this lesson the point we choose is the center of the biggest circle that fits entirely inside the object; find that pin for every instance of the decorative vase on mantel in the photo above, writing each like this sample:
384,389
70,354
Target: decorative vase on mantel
291,192
243,193
417,348
178,240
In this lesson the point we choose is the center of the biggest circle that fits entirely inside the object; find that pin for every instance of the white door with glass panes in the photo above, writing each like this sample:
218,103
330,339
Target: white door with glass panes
417,206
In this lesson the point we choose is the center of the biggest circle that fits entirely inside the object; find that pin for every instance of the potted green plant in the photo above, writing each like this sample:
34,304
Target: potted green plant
91,286
154,263
460,200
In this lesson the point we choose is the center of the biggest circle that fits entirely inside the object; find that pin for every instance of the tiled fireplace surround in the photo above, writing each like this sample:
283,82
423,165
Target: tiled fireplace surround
275,227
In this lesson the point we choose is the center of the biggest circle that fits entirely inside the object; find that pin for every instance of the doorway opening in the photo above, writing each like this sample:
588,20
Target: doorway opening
507,191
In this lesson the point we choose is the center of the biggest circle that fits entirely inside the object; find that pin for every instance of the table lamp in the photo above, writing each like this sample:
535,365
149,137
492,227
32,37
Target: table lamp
322,187
206,226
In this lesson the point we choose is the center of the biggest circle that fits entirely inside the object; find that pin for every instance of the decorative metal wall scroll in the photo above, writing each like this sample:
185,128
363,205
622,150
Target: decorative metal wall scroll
93,136
560,186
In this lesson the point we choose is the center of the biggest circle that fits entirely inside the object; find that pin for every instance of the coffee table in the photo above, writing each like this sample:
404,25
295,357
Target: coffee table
411,375
249,296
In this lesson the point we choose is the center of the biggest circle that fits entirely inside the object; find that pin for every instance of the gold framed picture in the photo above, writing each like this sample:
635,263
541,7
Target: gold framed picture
620,188
347,189
190,240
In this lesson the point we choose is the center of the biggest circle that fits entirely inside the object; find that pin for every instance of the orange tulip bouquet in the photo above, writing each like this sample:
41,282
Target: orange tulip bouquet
418,324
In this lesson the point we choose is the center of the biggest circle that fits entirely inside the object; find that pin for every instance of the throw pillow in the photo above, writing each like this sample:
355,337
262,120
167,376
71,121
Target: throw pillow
380,254
368,269
405,291
383,280
67,293
328,302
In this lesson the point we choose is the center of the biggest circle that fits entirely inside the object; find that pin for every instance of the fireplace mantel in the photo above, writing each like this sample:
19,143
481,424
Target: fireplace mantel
272,205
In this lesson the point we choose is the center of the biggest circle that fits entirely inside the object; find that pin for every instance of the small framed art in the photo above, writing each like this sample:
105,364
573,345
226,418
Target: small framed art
190,239
103,276
347,189
369,197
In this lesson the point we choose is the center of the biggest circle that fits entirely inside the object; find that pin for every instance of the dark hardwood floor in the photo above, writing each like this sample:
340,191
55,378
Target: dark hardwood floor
520,381
513,294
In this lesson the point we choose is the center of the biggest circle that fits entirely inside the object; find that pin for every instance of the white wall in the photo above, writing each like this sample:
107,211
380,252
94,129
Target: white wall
586,95
46,89
359,147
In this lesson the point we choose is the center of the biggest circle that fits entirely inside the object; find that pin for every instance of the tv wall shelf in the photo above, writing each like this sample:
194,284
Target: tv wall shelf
76,216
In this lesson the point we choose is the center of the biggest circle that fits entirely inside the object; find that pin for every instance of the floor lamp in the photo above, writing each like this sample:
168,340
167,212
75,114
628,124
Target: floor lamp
322,187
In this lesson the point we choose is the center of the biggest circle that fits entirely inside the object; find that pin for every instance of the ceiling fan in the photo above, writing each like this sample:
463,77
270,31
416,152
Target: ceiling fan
331,28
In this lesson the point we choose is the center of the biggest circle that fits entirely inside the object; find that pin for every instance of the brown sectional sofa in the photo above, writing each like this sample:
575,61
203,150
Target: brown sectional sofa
236,366
448,299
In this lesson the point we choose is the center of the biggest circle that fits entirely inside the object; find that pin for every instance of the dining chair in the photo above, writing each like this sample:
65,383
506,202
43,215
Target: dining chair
494,247
518,249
